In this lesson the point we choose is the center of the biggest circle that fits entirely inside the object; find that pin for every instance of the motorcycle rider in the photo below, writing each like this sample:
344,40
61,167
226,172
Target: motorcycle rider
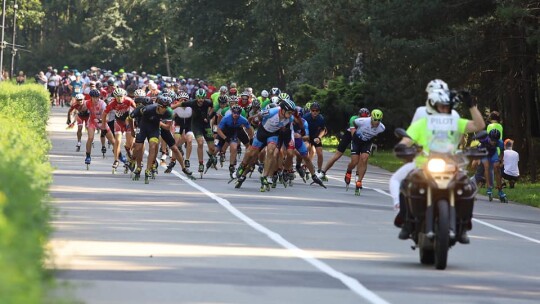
438,99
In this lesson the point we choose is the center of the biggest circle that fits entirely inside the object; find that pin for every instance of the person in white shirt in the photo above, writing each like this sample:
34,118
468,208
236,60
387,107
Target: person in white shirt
510,169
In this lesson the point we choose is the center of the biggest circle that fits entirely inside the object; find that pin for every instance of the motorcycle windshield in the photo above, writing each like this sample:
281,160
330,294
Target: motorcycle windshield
443,133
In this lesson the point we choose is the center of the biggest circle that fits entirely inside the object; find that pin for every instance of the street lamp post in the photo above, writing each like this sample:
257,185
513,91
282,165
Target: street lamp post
2,43
13,49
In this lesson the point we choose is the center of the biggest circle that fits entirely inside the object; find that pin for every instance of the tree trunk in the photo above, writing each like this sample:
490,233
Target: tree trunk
280,70
167,61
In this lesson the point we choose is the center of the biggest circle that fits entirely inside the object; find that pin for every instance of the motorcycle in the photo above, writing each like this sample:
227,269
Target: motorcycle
437,200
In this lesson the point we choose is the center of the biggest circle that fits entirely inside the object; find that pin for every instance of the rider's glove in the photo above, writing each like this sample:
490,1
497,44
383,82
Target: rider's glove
68,122
467,99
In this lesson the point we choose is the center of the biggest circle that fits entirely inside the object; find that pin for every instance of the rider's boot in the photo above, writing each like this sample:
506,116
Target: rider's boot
275,178
489,193
103,151
115,165
137,173
464,238
265,186
502,196
221,158
322,176
188,173
147,175
186,163
301,172
358,187
308,174
260,167
318,181
170,166
232,168
405,231
214,161
201,167
78,146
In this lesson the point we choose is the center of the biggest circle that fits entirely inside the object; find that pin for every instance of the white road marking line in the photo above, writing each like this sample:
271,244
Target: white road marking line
348,281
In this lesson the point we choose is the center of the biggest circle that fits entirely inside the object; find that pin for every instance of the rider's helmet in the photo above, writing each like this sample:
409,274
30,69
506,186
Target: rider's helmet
94,93
436,84
264,93
283,96
363,112
236,109
119,92
376,115
256,104
315,106
223,89
287,105
494,134
223,99
143,100
233,99
172,95
183,95
437,97
79,96
110,81
139,93
201,93
275,91
163,100
275,99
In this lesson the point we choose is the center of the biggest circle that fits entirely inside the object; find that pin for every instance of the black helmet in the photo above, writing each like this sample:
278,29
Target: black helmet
94,93
315,106
110,81
143,100
223,99
163,100
494,134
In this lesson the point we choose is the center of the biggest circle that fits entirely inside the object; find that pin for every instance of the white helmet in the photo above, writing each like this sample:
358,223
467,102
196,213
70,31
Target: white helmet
275,99
437,97
436,84
264,93
223,89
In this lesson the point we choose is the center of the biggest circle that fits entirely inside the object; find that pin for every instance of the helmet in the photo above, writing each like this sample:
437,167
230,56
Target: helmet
287,105
79,96
163,100
315,106
275,99
236,109
119,92
283,96
307,107
376,114
201,93
172,95
143,100
494,134
110,81
223,89
233,98
121,71
436,97
99,85
223,99
436,84
256,103
245,93
165,91
66,67
264,93
300,110
363,112
139,93
275,91
183,95
94,93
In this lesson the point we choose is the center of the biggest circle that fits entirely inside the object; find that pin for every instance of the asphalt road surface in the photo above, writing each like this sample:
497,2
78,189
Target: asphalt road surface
178,241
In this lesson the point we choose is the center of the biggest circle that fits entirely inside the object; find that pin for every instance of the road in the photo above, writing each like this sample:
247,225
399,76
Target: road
178,241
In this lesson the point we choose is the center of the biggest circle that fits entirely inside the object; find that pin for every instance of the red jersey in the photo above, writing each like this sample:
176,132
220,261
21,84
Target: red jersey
121,109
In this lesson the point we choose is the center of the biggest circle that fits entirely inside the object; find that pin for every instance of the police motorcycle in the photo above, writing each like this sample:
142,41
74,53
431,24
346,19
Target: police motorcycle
437,199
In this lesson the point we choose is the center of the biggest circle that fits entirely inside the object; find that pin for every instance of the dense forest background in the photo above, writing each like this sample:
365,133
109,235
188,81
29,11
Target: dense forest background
310,48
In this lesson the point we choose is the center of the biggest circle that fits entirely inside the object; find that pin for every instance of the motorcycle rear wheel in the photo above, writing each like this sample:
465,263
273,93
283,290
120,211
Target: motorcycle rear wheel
442,238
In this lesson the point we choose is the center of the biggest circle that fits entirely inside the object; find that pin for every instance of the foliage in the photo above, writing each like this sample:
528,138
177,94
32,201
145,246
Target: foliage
25,175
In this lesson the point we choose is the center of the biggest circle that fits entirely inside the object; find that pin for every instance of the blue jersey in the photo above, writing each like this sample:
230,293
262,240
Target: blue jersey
77,87
316,124
491,149
228,122
297,128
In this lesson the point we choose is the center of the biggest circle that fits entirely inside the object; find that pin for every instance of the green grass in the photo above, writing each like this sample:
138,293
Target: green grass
525,192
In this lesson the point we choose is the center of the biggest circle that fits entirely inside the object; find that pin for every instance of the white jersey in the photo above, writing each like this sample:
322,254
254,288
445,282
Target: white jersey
421,112
271,121
511,159
365,131
183,112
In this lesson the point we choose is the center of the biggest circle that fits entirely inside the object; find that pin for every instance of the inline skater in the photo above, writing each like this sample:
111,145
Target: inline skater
79,106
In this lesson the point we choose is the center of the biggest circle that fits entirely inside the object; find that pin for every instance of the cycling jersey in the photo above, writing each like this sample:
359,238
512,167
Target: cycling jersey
271,121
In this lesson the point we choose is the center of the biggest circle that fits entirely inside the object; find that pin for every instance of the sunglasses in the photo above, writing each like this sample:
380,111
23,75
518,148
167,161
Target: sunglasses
376,119
315,111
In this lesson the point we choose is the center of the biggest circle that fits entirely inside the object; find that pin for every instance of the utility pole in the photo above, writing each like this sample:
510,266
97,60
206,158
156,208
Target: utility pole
13,49
2,43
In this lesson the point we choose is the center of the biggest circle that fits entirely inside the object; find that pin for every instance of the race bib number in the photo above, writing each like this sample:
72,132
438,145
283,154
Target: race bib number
442,123
137,130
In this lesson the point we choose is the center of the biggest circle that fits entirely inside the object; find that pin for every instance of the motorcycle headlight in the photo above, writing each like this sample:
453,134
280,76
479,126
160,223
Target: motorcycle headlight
436,165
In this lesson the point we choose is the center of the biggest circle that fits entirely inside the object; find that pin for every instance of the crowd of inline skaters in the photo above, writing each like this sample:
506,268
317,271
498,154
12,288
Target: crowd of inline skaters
280,139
